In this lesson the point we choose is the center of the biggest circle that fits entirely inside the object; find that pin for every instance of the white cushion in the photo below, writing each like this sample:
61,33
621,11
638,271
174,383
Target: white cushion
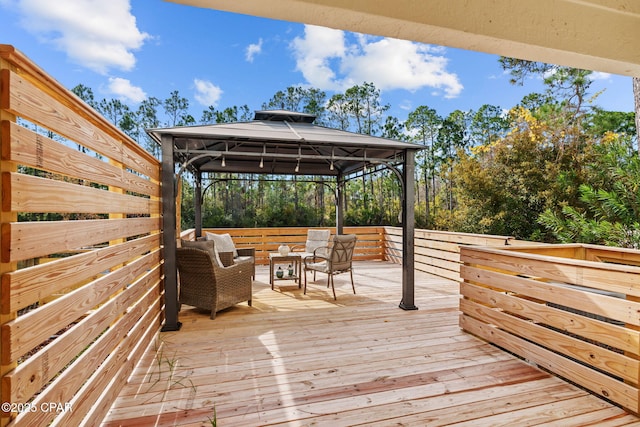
317,239
223,242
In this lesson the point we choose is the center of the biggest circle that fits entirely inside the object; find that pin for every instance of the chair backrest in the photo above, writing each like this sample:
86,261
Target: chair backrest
317,239
341,254
197,277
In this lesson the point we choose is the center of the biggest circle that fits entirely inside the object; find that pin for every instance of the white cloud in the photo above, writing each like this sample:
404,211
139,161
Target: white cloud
328,61
314,53
96,34
207,93
599,75
125,90
253,50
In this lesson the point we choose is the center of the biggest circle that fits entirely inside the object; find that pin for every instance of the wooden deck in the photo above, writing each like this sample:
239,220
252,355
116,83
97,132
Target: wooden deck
299,360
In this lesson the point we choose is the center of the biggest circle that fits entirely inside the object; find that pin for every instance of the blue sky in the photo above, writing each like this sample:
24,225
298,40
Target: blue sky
131,50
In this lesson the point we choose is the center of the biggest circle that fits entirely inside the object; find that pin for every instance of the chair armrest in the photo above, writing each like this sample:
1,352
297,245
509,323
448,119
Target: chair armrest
298,248
312,259
226,258
248,251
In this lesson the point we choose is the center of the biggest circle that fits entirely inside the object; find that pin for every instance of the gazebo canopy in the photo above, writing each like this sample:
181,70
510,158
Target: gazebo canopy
280,142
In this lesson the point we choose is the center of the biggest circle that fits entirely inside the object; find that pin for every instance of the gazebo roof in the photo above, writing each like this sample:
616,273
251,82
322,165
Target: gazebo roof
280,142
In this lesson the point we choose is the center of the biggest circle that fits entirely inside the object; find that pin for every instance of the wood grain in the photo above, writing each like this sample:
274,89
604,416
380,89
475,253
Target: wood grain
35,239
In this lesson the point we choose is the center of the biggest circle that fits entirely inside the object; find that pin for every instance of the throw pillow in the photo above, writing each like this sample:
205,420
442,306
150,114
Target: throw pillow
224,243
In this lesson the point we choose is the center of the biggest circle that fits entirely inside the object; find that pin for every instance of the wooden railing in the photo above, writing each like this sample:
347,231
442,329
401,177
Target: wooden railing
438,252
83,196
571,309
368,247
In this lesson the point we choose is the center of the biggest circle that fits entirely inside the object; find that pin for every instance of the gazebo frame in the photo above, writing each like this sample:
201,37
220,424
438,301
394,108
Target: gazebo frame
286,143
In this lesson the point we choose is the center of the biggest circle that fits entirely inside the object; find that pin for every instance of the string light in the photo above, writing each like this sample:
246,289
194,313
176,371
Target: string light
332,153
226,149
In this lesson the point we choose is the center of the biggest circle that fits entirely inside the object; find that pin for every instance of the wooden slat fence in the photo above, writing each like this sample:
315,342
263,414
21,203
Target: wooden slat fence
438,252
82,196
571,309
368,247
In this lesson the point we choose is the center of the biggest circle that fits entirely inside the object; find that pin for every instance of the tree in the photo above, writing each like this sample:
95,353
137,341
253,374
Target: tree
363,104
393,129
423,124
502,187
114,110
177,109
338,112
488,124
451,139
569,84
147,118
86,94
600,122
228,115
300,99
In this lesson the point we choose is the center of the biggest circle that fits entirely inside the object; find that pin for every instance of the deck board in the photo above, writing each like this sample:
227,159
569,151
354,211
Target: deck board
297,360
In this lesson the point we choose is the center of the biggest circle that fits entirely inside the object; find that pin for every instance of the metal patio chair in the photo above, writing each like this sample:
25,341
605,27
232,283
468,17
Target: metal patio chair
338,260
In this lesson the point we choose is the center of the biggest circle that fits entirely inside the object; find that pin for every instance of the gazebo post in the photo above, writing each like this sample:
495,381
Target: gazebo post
169,236
408,231
197,201
340,204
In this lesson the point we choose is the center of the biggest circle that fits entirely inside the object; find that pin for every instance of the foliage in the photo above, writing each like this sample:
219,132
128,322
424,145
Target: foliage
503,186
611,211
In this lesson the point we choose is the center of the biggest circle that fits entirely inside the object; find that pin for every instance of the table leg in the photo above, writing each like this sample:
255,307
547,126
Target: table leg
271,273
299,273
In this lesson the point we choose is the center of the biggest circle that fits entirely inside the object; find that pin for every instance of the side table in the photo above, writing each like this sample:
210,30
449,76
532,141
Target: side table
291,258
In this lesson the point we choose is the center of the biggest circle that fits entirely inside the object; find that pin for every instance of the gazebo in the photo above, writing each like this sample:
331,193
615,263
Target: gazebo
279,142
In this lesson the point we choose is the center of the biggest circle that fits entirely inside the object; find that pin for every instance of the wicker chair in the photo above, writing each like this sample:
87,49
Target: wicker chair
206,285
339,260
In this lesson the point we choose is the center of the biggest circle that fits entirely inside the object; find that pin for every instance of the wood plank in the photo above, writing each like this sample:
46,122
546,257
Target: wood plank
32,375
31,149
462,238
598,331
477,405
446,247
438,262
26,286
36,239
438,254
32,72
604,385
614,308
26,332
437,271
94,399
101,360
608,277
593,356
28,101
26,193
